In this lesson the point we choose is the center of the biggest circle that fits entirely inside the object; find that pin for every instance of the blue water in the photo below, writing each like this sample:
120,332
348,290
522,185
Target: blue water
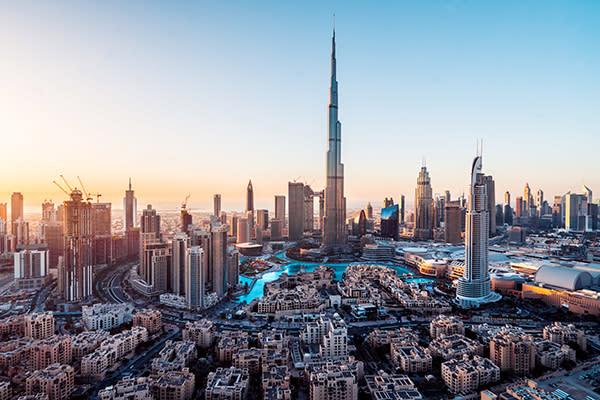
294,268
419,280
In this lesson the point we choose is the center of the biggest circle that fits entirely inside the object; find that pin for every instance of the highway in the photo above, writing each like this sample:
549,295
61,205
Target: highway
108,287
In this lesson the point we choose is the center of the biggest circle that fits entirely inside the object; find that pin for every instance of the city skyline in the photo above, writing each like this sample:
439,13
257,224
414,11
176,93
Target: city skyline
462,103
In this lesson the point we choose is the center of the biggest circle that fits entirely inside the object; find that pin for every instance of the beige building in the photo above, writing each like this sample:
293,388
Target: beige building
86,342
56,380
469,373
5,390
227,384
411,359
392,387
230,343
174,385
454,347
201,332
128,388
384,338
446,325
249,359
565,334
276,382
174,356
39,325
149,319
53,350
551,355
513,353
333,381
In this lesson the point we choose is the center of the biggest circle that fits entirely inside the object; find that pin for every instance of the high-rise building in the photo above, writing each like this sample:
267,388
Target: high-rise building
527,201
491,195
390,222
186,220
452,222
576,211
334,220
519,207
179,246
20,231
194,277
423,206
539,202
233,271
218,258
48,211
507,197
129,209
402,209
30,268
249,197
216,205
16,208
508,214
387,202
233,224
3,213
369,211
474,286
101,219
243,230
262,219
296,210
309,209
280,207
149,235
78,236
276,229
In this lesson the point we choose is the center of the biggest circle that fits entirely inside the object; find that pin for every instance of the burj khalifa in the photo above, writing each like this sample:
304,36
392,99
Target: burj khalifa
334,224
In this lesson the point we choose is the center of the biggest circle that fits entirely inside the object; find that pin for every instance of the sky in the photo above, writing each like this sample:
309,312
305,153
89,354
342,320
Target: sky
199,97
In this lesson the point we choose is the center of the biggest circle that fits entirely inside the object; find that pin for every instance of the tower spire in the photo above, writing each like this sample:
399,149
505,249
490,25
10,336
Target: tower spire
129,183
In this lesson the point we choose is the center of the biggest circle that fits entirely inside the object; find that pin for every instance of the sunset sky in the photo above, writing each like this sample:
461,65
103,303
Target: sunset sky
199,97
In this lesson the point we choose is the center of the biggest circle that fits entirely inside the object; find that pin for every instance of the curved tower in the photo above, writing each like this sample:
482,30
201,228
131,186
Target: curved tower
474,286
334,220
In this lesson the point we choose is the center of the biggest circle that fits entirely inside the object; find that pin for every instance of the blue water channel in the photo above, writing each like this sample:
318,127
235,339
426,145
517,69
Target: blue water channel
294,267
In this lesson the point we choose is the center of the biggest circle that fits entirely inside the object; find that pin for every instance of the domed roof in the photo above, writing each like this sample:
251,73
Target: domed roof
563,277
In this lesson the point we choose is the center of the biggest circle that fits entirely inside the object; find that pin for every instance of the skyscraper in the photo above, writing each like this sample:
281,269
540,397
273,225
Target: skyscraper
334,220
423,210
216,205
474,286
280,207
262,219
179,253
369,211
527,201
491,195
149,236
519,207
129,209
48,211
249,197
507,197
218,258
16,207
452,222
402,209
309,209
243,230
250,206
296,210
194,277
77,269
3,213
389,222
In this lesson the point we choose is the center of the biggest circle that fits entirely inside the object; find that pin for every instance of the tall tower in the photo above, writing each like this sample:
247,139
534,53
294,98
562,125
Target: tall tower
16,207
423,209
250,197
474,287
129,209
296,210
216,205
334,220
280,208
194,277
78,235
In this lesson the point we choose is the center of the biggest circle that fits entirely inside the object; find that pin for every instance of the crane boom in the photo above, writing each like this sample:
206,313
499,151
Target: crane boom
87,196
66,183
61,188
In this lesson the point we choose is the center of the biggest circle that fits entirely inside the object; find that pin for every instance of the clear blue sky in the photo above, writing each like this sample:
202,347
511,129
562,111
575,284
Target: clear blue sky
201,96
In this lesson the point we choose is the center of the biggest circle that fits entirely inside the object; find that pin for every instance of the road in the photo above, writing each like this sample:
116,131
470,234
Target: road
135,364
109,288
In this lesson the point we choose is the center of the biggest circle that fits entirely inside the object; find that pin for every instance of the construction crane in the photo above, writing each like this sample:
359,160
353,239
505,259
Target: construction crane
184,204
61,188
87,196
97,196
66,183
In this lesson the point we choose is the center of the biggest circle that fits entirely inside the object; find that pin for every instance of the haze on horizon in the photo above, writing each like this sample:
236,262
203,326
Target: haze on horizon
200,97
